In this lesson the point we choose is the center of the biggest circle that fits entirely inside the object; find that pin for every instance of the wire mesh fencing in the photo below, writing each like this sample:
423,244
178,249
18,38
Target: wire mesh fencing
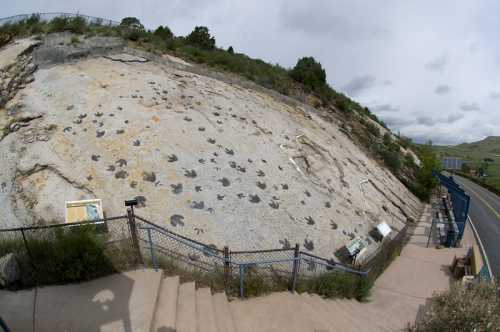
187,253
243,273
258,271
53,254
46,17
68,252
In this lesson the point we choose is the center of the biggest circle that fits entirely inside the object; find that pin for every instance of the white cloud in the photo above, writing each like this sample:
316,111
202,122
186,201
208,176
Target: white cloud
414,45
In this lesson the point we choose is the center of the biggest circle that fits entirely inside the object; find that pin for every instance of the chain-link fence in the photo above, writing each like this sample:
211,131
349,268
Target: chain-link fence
243,273
68,252
53,254
46,17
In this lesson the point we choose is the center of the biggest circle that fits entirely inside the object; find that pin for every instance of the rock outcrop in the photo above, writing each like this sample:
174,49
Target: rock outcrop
209,158
9,270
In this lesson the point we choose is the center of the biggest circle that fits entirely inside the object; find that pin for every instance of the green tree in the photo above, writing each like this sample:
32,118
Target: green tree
425,181
132,22
201,37
465,168
230,50
310,73
164,33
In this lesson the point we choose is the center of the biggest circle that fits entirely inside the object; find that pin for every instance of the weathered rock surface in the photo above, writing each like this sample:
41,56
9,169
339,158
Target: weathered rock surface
9,270
219,162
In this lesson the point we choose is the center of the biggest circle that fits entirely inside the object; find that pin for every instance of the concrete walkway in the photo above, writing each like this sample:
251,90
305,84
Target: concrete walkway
120,302
417,273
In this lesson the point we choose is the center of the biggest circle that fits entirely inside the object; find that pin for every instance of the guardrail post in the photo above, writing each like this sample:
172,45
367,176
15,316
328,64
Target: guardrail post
296,262
133,233
152,250
227,268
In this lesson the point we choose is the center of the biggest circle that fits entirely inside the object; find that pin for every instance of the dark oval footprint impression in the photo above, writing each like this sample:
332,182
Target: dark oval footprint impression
177,220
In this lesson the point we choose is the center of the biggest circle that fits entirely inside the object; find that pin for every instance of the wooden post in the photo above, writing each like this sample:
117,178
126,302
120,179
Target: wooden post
133,233
296,264
227,268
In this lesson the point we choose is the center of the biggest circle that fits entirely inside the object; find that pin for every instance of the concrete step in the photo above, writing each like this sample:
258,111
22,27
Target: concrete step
365,313
343,321
186,308
205,315
278,312
344,314
223,316
166,308
321,309
403,309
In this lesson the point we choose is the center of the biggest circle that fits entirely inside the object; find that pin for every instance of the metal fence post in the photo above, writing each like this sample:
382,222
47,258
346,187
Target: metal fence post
152,250
4,326
28,250
242,280
133,233
227,268
296,261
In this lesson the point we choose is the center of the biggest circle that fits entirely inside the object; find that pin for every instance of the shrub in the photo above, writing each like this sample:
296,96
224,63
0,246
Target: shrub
230,50
71,255
372,128
75,41
77,25
58,24
5,38
310,73
405,142
337,285
64,255
201,37
462,308
33,19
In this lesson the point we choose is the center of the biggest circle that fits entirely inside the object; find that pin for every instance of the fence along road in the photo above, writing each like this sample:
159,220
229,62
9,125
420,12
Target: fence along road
485,214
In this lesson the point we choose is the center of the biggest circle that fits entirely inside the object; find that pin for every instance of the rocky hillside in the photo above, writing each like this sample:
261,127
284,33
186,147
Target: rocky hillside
207,157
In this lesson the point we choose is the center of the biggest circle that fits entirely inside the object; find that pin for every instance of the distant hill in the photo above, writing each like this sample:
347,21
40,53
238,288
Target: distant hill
481,154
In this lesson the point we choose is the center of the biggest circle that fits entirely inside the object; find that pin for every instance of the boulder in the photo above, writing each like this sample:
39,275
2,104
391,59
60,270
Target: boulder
9,270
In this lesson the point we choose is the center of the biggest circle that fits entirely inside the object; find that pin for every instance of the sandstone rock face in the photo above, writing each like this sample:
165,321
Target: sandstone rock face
9,270
215,161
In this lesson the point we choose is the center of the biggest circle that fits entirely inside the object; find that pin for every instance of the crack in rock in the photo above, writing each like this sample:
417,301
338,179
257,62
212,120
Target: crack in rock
125,58
41,167
397,206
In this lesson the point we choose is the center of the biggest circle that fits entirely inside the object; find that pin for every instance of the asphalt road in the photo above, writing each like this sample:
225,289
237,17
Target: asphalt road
484,211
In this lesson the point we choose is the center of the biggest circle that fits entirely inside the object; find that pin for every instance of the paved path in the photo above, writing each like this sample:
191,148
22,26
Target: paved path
485,214
122,302
418,272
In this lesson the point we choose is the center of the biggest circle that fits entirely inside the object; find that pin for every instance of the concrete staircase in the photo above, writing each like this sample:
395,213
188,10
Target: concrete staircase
146,301
181,307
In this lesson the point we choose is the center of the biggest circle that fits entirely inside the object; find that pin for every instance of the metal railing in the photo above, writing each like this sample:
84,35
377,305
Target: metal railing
45,17
283,266
155,244
33,245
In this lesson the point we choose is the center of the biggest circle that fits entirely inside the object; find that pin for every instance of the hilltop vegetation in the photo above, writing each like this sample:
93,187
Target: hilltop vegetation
482,156
306,81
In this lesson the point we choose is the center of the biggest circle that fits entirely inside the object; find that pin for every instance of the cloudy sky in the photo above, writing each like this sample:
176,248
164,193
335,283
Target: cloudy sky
430,69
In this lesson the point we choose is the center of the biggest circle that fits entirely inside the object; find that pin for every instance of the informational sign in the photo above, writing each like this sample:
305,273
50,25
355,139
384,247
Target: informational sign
384,229
86,210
